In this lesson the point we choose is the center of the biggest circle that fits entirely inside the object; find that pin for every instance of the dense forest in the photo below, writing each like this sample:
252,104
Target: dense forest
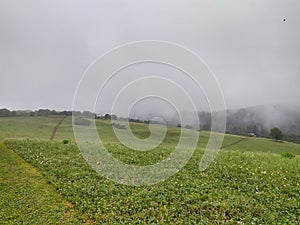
259,120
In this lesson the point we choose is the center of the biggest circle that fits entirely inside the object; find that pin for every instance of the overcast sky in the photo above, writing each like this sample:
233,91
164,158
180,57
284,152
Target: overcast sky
45,46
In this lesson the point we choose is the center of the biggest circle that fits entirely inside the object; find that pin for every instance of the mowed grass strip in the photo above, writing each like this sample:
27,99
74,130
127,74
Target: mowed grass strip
26,197
238,188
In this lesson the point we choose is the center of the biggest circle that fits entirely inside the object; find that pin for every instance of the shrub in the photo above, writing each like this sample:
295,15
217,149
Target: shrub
119,126
287,155
276,133
66,141
82,121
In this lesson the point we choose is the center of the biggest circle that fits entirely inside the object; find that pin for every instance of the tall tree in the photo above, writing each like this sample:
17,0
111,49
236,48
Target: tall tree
276,133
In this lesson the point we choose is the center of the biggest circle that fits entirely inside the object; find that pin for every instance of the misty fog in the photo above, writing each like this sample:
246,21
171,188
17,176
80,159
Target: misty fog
47,45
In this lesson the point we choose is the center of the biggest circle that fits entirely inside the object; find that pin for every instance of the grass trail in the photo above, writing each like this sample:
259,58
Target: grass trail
234,143
26,197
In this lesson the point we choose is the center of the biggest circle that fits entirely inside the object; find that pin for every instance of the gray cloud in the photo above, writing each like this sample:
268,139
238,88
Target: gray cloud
45,46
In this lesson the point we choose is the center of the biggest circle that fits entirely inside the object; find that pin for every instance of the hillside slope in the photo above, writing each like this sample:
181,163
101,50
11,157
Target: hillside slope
42,127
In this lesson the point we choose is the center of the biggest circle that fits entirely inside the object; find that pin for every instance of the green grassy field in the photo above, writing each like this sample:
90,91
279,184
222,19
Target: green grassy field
42,128
26,196
248,183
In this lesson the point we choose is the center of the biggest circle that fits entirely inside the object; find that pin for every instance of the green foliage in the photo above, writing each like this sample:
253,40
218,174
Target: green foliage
42,128
288,155
65,141
276,133
238,188
26,197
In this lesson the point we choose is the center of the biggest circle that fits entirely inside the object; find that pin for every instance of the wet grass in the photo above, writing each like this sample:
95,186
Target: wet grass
250,182
239,187
27,197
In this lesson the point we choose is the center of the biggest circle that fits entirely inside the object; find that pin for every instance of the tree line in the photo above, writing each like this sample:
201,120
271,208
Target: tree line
240,122
40,112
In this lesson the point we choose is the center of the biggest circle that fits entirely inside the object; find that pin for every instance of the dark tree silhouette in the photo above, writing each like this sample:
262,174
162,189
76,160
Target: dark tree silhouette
276,133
